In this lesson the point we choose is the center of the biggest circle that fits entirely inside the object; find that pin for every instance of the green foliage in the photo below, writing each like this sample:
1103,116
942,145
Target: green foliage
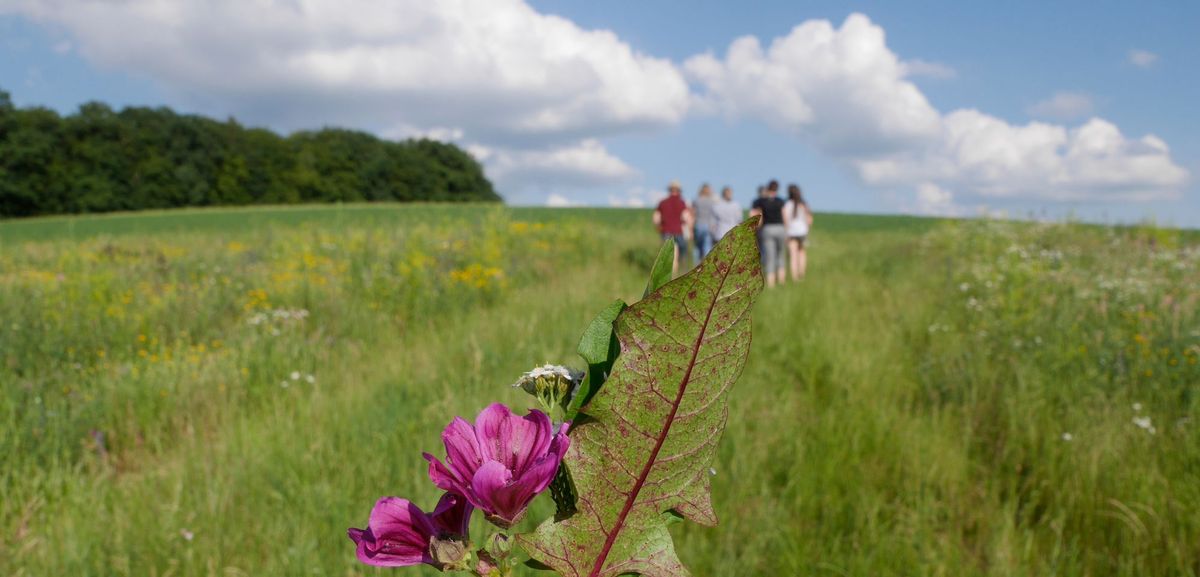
651,432
100,160
599,348
660,273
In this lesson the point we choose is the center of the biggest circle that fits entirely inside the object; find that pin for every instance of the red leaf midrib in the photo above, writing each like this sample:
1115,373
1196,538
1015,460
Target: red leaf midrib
662,437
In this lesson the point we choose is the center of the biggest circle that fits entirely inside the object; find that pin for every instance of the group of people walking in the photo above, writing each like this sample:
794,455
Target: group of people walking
781,238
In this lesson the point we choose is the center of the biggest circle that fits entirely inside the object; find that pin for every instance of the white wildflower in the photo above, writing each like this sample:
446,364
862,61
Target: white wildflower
1144,423
1068,437
545,372
310,379
1137,407
187,535
550,383
295,375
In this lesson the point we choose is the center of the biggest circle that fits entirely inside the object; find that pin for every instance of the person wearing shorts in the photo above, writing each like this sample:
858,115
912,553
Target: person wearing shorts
774,234
672,217
799,221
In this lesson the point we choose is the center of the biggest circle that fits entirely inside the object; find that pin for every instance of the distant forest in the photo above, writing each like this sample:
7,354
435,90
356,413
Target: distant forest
101,160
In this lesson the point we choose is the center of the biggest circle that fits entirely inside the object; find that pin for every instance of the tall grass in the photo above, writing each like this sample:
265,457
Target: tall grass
936,399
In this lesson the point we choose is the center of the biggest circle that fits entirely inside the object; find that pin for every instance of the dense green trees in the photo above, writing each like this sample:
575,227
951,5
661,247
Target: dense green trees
99,160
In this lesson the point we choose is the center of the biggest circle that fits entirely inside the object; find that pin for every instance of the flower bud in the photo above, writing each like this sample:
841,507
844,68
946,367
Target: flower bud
487,566
499,545
551,384
452,554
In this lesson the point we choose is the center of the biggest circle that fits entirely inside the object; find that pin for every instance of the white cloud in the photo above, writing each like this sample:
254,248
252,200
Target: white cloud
1063,106
842,88
934,200
987,157
845,92
581,165
1142,58
559,201
495,73
442,133
918,67
62,47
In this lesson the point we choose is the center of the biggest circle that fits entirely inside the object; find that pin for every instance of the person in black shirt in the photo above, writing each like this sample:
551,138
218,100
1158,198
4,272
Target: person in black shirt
774,233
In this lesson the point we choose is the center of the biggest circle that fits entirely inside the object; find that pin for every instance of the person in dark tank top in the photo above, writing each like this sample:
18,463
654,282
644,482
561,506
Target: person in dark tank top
774,233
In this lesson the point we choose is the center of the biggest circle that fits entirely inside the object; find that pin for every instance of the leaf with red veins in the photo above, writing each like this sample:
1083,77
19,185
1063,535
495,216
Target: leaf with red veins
643,445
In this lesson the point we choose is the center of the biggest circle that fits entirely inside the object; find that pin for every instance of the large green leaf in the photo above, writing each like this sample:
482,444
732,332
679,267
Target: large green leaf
599,349
641,450
664,267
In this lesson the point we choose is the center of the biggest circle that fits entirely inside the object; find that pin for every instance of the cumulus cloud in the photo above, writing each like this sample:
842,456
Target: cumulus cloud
493,68
844,91
934,200
840,87
581,165
559,201
987,157
1142,58
493,72
1063,106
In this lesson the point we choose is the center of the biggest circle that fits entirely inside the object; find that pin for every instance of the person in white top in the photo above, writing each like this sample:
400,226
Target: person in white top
799,221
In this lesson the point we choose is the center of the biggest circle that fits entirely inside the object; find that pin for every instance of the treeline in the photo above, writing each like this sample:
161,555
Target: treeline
100,160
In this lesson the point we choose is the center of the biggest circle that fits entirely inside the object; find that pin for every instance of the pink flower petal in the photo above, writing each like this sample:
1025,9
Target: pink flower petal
530,439
516,496
489,480
462,448
443,477
513,441
493,428
541,473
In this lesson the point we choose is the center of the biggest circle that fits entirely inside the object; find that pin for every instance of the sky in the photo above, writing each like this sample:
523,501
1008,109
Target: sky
1051,110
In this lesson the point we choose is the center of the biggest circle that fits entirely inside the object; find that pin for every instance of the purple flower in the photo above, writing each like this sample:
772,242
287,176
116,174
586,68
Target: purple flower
399,533
502,462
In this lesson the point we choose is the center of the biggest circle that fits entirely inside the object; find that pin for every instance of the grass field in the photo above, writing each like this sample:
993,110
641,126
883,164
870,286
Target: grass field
223,392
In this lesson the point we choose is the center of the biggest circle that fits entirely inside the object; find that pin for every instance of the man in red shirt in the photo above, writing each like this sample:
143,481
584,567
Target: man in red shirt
672,218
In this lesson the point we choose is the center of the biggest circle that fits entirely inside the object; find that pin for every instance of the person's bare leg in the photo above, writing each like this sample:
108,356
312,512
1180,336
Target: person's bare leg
803,260
794,258
675,262
781,267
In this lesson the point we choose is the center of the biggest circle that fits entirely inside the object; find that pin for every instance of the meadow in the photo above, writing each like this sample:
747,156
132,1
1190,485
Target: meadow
224,392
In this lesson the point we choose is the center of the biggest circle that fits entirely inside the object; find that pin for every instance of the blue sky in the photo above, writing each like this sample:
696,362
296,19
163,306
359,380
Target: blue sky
871,107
